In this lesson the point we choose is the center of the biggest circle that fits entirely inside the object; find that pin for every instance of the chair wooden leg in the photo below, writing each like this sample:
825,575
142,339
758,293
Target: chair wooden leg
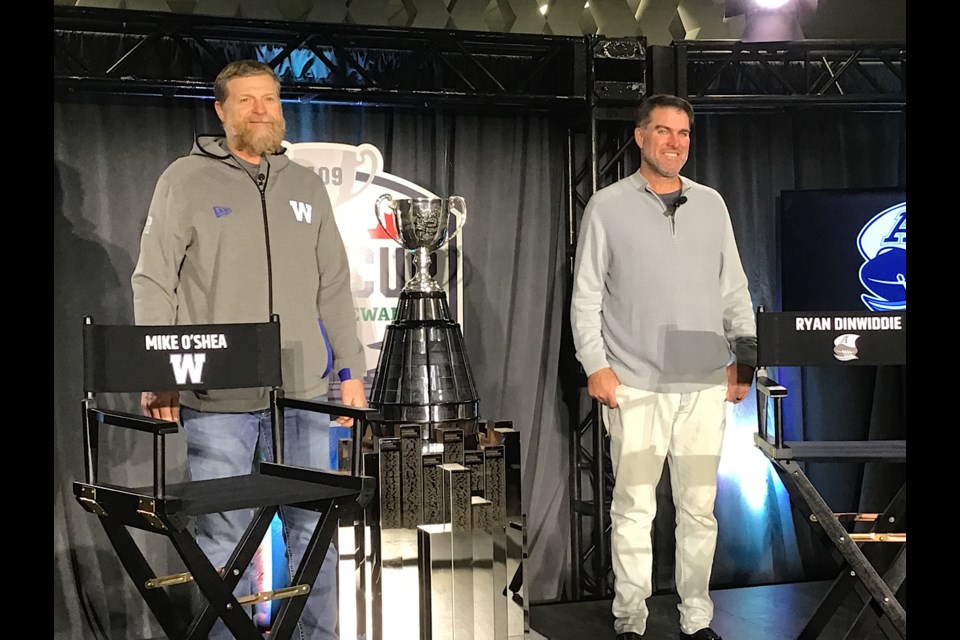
139,570
238,563
892,617
285,621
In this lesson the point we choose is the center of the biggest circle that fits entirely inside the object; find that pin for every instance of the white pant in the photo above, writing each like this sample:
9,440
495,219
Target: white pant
645,429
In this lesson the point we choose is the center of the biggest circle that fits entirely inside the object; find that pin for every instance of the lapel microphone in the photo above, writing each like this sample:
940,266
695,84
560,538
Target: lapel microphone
676,205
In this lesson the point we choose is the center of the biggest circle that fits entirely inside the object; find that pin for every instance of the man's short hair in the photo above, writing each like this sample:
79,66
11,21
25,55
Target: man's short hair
650,103
241,69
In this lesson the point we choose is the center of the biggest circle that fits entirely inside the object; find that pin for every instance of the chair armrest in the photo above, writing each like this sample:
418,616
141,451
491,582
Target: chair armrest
154,426
365,414
135,421
770,387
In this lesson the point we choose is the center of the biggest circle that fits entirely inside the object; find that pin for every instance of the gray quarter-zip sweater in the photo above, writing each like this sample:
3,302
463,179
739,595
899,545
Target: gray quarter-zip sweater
204,260
661,299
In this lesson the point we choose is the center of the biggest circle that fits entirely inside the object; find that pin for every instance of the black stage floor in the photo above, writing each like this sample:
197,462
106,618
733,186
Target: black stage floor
777,612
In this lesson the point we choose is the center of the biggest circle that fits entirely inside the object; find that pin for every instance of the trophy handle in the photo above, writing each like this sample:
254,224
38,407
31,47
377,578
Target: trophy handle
377,208
460,213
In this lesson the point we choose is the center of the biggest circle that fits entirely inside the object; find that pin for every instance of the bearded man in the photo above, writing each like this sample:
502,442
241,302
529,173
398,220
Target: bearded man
235,233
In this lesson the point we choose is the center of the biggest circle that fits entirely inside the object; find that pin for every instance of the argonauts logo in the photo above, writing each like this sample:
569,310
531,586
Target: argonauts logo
883,244
845,347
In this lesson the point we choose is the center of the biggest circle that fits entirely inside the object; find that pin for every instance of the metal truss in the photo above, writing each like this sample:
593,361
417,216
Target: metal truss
598,154
606,154
726,75
161,54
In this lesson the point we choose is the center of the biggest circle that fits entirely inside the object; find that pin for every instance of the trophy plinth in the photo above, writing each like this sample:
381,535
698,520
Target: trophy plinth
423,376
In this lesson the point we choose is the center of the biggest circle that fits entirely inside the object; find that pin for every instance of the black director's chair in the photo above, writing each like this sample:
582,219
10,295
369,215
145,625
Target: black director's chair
126,358
838,339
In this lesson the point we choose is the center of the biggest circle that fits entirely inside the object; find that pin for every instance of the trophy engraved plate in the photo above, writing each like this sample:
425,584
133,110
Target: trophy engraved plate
432,488
456,496
511,456
411,474
473,460
480,509
452,440
390,514
495,487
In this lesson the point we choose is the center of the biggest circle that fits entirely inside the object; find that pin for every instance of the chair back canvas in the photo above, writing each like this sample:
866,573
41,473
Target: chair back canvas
128,358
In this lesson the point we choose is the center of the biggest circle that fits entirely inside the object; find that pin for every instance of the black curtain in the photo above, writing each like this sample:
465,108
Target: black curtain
109,151
751,158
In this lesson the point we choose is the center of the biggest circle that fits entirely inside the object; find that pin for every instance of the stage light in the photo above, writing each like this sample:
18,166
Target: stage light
771,4
771,20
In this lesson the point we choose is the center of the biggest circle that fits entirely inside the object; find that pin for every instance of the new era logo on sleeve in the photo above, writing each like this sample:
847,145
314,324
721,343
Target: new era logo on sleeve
302,210
221,211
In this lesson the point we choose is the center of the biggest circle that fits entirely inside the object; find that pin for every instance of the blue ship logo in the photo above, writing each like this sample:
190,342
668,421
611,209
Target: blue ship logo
883,244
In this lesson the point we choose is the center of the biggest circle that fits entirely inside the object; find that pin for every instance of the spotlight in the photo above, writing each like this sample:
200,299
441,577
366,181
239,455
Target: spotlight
770,20
770,4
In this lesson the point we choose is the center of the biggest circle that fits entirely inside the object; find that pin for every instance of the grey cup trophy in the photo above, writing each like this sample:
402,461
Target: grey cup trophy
421,228
422,374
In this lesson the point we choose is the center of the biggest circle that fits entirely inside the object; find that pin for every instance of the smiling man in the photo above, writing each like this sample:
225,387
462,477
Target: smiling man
235,233
664,328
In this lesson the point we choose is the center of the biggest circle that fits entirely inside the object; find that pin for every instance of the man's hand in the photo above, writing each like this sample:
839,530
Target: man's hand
164,405
602,387
739,378
351,394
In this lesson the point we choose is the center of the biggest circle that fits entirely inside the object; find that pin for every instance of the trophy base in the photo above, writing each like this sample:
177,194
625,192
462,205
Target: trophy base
428,430
423,376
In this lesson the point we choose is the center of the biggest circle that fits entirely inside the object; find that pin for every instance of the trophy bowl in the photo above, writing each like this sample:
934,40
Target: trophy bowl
420,227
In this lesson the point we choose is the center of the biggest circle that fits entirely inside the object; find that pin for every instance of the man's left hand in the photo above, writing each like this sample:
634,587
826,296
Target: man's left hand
351,394
739,378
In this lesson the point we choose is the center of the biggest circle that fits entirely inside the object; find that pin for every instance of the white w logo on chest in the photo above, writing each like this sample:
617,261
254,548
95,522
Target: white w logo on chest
302,210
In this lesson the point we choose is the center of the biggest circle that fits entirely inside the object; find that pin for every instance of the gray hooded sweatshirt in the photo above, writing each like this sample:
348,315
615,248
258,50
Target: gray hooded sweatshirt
214,238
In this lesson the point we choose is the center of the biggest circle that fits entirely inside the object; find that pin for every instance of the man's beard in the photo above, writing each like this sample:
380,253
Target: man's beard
256,140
